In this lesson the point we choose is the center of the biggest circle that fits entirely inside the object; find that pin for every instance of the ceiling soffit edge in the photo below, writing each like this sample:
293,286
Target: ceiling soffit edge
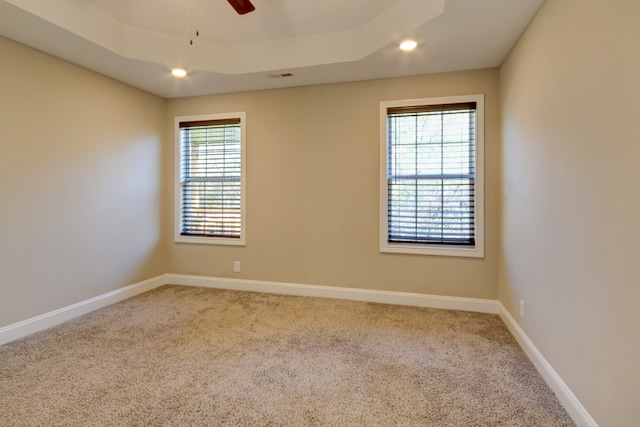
92,24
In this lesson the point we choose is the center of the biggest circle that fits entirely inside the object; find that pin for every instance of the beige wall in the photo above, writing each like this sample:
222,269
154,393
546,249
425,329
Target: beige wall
87,185
570,205
86,179
313,189
80,160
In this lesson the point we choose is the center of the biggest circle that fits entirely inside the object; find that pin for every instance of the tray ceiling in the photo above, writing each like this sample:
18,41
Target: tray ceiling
139,41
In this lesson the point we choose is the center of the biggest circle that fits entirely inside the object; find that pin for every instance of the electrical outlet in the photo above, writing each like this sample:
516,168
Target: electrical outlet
236,266
522,309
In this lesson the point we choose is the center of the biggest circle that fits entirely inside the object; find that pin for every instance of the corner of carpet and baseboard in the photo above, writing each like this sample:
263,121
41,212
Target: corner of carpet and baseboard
570,402
573,406
47,320
355,294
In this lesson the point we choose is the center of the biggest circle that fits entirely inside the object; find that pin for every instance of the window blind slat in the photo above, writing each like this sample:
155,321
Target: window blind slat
431,174
210,178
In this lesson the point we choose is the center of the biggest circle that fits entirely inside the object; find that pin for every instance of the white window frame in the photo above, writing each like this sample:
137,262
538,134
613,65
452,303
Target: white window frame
477,251
178,237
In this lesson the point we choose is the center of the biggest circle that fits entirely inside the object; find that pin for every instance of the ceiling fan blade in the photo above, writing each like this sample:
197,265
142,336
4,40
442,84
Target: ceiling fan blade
242,6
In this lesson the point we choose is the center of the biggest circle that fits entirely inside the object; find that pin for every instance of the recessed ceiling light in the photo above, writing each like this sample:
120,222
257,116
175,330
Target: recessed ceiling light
179,72
408,45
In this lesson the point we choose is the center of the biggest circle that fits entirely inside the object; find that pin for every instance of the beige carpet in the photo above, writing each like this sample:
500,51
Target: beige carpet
180,356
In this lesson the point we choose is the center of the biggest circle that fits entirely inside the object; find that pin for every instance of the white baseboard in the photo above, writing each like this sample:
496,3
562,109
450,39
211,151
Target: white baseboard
566,397
53,318
35,324
44,321
367,295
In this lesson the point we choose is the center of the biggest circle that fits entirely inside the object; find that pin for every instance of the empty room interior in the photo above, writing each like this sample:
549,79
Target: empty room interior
98,201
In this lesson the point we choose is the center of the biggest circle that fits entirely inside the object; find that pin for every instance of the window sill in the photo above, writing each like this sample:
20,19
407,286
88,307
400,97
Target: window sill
436,250
210,240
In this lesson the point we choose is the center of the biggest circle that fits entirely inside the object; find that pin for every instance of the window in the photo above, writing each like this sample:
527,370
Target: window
432,176
210,182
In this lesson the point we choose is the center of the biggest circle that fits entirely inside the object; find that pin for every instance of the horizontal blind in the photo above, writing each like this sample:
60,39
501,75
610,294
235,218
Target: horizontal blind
431,174
210,178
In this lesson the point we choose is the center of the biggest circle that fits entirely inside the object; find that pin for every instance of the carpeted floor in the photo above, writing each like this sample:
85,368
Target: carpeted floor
193,356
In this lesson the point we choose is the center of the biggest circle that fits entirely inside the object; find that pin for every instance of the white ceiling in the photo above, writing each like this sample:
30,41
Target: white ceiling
318,41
